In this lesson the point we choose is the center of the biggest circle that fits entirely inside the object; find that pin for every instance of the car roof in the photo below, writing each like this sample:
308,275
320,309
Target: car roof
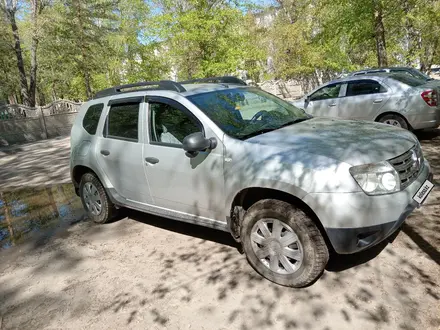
183,88
378,69
374,76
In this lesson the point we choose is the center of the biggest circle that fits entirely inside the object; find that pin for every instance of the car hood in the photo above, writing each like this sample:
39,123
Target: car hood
353,142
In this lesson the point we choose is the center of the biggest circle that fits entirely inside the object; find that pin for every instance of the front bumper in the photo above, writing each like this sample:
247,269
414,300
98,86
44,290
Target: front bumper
356,221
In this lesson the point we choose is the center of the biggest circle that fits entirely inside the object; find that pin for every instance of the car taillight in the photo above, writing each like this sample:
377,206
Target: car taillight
430,97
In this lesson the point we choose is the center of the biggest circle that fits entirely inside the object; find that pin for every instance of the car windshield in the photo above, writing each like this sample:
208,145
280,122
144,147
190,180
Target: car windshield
246,112
407,79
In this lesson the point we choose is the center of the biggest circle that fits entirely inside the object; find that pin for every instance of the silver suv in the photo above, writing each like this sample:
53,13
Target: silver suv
224,155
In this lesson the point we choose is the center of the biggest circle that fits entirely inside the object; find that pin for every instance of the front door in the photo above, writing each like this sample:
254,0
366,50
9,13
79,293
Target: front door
324,102
119,150
190,185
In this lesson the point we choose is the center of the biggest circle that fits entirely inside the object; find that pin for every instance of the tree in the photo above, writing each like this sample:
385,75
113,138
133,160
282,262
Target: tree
80,35
9,8
9,82
203,38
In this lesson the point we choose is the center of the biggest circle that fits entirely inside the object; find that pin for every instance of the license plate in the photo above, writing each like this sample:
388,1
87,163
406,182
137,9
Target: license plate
423,192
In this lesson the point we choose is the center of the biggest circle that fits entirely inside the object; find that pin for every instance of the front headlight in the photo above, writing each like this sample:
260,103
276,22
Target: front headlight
376,179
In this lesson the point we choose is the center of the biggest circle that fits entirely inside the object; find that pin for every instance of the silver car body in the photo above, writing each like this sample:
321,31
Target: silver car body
395,98
308,161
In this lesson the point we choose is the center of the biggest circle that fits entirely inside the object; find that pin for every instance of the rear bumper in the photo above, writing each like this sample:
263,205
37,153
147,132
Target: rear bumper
423,120
355,221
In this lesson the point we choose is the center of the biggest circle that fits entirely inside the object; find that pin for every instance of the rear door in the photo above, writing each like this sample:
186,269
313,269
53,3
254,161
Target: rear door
119,149
324,102
363,99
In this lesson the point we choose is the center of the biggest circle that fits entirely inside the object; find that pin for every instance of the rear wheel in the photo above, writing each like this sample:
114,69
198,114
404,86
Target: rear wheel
95,200
283,244
394,120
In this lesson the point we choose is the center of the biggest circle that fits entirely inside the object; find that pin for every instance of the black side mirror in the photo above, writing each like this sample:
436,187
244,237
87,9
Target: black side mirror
306,101
196,142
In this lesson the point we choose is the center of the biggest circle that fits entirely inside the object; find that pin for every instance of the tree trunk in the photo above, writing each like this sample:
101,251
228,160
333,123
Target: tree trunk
379,35
411,34
427,58
34,46
83,61
18,53
87,83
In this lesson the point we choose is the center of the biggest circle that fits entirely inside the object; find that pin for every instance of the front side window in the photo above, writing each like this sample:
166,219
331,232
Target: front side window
122,121
91,118
169,125
364,87
326,92
246,112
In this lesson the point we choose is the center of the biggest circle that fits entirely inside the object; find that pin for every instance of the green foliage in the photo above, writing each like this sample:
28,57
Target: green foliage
8,65
88,45
204,40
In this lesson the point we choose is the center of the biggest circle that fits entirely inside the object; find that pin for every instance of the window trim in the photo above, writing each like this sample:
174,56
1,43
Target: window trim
360,80
105,130
126,100
100,115
178,106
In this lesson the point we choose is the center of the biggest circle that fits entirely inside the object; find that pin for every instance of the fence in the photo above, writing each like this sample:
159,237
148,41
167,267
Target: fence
19,123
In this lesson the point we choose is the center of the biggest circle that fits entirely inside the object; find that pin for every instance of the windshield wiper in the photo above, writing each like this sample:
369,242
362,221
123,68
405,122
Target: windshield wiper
266,129
258,132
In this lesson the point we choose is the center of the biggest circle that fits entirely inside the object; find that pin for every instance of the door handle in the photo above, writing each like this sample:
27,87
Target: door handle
152,160
105,152
332,105
378,101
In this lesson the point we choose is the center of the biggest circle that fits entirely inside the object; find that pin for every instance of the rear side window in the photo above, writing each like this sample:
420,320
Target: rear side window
364,87
122,122
91,119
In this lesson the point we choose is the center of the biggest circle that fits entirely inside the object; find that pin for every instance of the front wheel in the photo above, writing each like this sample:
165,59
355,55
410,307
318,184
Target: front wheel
95,200
283,244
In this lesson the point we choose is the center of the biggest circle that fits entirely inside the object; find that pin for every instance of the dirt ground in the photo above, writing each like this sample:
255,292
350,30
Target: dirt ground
145,272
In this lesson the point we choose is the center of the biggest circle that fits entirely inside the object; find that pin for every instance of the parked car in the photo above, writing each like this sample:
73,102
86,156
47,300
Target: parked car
235,158
395,98
412,72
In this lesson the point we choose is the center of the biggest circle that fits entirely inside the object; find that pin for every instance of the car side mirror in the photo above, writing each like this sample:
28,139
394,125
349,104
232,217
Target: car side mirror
196,142
307,101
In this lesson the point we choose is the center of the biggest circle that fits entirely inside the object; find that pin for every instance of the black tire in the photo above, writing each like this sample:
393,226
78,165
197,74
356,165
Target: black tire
397,118
107,207
315,251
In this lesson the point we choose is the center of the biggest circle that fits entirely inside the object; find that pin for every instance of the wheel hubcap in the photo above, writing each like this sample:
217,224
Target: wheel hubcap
277,246
392,122
92,199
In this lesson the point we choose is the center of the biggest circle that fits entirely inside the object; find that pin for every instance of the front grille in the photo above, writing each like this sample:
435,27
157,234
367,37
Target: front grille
408,165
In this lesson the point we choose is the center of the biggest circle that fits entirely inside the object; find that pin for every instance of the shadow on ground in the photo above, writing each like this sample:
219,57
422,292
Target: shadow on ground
31,165
150,272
